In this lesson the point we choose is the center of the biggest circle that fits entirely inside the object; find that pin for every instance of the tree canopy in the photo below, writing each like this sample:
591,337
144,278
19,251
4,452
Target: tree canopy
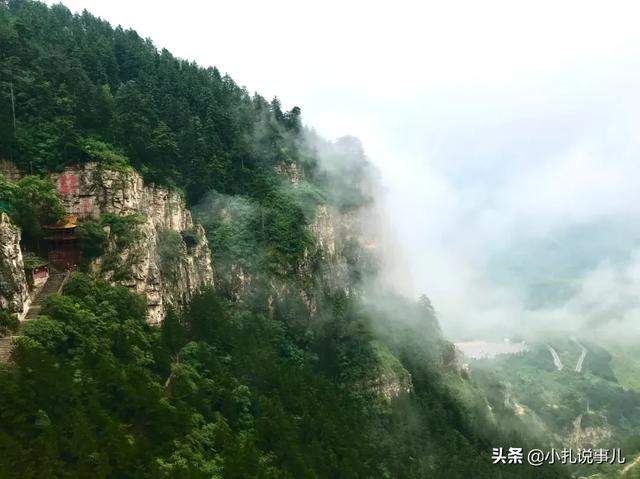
225,388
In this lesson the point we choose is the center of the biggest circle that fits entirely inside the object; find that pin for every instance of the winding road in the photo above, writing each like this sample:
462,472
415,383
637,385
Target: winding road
54,284
583,354
556,358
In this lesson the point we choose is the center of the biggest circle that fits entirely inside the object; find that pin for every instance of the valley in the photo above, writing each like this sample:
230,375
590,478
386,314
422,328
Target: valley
566,393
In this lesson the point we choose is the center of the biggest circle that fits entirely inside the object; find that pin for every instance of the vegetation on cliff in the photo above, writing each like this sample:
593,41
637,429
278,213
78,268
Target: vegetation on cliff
586,409
81,89
222,391
227,387
31,203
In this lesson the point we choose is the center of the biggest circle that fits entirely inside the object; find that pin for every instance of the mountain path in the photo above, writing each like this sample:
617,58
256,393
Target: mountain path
583,354
54,284
556,358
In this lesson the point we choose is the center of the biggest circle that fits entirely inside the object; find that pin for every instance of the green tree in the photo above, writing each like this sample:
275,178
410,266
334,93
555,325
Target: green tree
163,148
32,203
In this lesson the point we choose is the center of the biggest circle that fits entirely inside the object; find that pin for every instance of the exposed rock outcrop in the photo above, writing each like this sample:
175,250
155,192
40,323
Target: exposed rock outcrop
14,291
291,171
89,191
390,385
331,232
590,430
391,378
345,255
350,246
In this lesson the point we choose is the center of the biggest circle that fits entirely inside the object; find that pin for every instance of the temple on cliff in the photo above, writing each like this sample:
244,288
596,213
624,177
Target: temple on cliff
62,243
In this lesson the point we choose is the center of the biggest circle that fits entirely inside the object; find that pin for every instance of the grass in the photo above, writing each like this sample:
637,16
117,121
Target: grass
626,366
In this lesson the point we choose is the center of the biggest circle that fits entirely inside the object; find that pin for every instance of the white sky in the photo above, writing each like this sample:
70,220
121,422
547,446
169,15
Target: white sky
490,120
336,55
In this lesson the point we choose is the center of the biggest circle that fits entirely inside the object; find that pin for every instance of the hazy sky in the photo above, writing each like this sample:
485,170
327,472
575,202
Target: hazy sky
493,122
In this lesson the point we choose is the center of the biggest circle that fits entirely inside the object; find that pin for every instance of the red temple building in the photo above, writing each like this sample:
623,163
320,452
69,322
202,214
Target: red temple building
62,239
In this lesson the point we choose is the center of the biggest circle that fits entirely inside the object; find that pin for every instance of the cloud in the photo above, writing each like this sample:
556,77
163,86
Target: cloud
495,125
605,306
476,189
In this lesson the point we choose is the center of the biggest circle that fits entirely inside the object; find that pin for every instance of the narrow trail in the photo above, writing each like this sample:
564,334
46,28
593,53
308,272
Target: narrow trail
556,358
5,348
632,465
53,285
583,354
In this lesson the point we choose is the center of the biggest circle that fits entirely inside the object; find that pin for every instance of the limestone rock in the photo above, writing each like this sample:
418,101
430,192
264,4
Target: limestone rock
290,171
90,190
14,292
391,379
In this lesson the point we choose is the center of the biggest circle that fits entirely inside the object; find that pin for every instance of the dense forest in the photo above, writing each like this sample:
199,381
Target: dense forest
74,88
223,388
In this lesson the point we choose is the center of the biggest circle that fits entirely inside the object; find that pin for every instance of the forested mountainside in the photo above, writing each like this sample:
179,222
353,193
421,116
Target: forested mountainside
282,368
585,400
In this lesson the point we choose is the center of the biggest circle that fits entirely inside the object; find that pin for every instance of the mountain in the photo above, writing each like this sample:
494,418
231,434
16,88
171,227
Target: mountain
547,271
228,315
588,399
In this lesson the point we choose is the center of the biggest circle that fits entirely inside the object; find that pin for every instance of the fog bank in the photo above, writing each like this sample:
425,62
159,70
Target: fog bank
507,135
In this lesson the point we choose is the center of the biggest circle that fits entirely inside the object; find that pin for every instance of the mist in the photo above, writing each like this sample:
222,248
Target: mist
517,189
506,136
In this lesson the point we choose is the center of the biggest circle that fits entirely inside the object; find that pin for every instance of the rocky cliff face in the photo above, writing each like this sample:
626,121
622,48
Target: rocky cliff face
349,245
330,231
14,292
391,379
348,249
90,191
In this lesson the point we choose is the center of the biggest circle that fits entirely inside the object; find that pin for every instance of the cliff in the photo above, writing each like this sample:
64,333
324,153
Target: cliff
14,292
168,277
226,380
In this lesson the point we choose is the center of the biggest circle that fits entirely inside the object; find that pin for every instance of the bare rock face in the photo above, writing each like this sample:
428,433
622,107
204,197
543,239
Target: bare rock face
14,292
332,231
291,171
590,430
389,384
391,379
89,191
346,249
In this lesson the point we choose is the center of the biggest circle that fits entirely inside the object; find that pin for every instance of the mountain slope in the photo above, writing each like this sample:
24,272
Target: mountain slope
287,368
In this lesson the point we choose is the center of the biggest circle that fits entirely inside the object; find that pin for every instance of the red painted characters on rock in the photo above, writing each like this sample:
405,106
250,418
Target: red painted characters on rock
67,183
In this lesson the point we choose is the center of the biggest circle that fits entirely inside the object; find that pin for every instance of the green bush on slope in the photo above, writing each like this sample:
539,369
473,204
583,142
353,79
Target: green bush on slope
218,391
222,389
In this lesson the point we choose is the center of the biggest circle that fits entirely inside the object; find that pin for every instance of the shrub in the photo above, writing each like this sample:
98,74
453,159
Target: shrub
93,239
282,230
107,238
190,237
31,202
9,323
170,249
94,235
32,262
123,229
105,154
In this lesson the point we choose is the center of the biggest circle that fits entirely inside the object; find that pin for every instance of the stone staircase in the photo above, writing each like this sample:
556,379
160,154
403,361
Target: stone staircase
53,285
5,348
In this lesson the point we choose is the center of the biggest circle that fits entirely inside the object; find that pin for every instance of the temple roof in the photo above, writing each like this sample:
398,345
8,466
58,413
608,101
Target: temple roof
67,222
